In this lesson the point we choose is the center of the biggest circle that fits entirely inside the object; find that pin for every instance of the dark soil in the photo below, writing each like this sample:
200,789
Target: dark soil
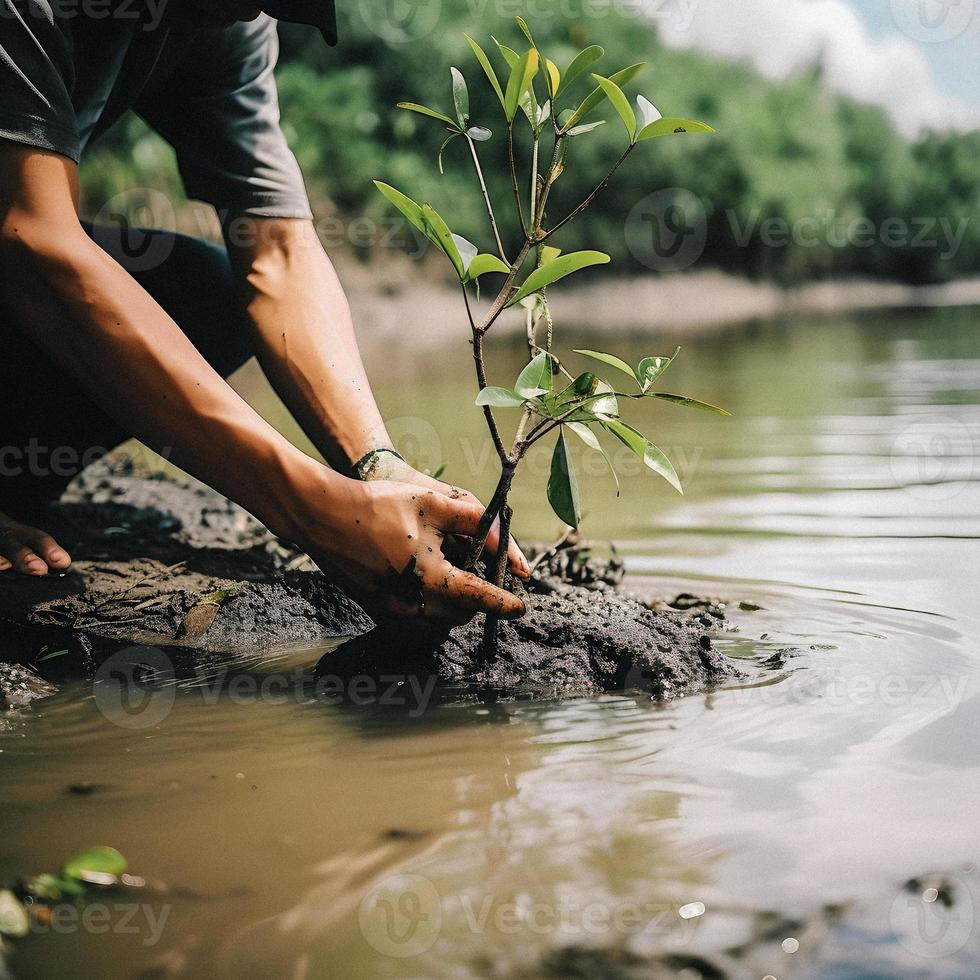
163,563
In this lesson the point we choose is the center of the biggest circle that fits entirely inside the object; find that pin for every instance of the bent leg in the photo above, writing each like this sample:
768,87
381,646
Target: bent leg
50,429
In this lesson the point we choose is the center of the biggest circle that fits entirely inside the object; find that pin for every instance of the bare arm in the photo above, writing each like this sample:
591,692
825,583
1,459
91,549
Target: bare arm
95,319
308,350
306,342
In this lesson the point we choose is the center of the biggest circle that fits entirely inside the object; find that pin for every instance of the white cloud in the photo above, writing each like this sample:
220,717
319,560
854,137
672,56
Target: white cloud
781,37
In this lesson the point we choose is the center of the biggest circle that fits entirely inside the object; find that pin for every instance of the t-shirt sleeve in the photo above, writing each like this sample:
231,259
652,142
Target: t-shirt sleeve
219,109
36,78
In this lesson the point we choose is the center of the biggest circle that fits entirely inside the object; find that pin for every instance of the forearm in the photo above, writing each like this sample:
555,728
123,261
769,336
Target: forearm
138,365
305,338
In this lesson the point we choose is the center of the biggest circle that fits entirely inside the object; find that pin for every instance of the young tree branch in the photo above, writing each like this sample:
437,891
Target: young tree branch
486,200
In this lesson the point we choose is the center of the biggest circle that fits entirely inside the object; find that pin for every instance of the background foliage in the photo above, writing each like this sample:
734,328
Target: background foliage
788,151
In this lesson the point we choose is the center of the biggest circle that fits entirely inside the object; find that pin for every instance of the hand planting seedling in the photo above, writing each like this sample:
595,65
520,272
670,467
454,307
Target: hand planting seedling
538,105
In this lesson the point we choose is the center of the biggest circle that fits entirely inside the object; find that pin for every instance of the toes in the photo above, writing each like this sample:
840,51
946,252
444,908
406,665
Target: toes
30,551
49,550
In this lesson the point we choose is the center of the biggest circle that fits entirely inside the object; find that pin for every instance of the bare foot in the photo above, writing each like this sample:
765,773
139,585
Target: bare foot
28,550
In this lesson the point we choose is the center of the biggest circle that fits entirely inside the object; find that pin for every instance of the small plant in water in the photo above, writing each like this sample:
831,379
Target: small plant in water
547,396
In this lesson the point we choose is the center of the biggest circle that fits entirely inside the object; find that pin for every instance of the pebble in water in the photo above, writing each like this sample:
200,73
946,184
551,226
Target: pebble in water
791,945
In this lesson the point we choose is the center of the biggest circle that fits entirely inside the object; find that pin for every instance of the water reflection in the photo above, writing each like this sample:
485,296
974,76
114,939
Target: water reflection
823,810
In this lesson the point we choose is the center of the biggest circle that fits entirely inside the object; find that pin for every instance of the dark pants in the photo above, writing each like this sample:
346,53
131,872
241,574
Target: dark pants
50,428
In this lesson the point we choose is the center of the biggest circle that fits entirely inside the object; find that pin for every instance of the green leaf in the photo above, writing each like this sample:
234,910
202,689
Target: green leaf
690,403
590,439
579,65
650,368
481,56
558,269
585,434
562,485
426,111
607,405
499,398
467,253
612,360
620,77
535,378
437,231
620,103
547,253
552,76
484,263
672,124
585,128
52,655
520,78
442,148
525,30
96,864
647,112
479,133
406,205
461,98
652,457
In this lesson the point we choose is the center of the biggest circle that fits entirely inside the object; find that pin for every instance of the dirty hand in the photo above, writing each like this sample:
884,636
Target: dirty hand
382,541
389,467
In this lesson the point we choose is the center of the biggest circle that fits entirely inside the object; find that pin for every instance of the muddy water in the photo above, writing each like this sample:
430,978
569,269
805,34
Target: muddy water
294,837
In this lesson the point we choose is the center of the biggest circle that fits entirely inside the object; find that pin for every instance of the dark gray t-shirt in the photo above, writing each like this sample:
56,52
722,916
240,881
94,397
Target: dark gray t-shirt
69,69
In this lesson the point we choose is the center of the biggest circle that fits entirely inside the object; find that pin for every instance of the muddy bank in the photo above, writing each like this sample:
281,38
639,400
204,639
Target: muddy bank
174,565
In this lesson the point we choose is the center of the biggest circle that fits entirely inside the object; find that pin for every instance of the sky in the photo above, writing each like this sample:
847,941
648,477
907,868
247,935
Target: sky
919,59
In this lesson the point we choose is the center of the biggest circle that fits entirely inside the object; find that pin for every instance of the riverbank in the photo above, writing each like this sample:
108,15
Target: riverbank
410,311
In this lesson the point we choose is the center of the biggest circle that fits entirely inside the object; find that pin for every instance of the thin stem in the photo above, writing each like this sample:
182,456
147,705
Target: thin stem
497,502
501,301
551,180
513,179
499,577
534,185
481,377
486,200
602,183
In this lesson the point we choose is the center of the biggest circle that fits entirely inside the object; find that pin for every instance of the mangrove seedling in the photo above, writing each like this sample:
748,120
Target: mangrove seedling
538,106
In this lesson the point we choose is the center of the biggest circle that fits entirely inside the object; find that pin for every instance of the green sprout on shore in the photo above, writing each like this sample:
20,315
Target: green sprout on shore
547,396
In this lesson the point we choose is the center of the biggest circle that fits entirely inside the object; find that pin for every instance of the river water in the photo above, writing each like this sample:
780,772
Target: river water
817,818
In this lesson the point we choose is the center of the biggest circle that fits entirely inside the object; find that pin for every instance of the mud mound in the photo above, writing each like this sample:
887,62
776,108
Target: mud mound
166,563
